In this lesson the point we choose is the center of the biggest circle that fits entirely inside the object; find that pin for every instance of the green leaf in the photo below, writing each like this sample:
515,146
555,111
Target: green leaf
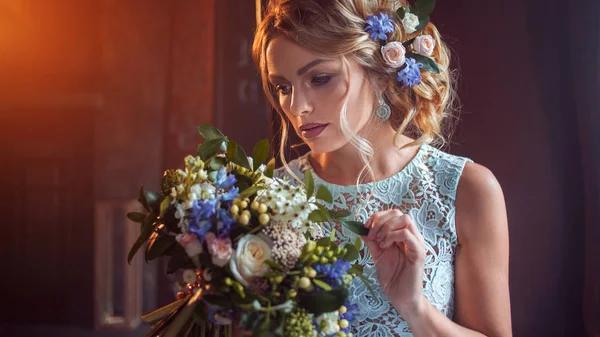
401,12
164,205
309,183
324,242
357,243
239,157
136,217
270,168
321,302
210,148
136,246
273,265
339,214
318,215
324,194
208,132
355,227
322,285
352,253
230,154
150,200
250,191
428,64
157,246
260,153
423,9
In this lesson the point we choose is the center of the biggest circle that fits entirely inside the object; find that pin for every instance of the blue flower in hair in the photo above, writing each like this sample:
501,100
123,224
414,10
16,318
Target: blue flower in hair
411,74
378,27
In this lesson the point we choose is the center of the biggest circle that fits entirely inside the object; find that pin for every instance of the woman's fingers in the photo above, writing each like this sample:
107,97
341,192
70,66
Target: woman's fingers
377,220
414,246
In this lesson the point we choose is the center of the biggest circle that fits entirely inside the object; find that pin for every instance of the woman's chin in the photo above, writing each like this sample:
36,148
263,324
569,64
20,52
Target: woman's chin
323,145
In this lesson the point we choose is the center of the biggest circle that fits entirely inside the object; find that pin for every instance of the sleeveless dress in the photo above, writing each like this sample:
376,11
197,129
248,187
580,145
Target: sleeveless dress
426,190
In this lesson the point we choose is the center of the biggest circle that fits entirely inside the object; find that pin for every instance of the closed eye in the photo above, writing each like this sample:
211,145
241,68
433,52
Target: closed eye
321,80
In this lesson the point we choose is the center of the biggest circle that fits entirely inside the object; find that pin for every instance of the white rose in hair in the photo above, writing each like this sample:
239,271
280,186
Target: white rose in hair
410,22
424,45
394,54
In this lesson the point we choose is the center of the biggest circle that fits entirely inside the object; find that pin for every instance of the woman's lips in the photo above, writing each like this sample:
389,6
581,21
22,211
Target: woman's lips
312,130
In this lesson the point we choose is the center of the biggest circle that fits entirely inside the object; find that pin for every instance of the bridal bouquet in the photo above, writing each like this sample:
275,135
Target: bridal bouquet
249,245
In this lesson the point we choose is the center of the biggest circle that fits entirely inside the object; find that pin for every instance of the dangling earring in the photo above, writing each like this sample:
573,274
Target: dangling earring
383,110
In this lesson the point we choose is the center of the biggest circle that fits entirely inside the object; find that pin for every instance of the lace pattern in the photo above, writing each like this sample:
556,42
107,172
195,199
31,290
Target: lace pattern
426,190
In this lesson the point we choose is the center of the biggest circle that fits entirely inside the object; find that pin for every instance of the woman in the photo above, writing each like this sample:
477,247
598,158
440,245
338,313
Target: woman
437,250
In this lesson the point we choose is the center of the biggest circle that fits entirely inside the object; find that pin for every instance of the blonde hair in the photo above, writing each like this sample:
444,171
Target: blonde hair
336,28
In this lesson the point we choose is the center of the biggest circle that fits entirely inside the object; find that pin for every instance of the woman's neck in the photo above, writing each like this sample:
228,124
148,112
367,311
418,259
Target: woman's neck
343,166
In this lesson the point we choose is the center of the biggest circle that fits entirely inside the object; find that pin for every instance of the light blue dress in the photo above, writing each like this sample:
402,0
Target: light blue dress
426,190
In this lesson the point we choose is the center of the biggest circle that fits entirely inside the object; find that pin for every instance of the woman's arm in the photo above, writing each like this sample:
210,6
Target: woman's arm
482,302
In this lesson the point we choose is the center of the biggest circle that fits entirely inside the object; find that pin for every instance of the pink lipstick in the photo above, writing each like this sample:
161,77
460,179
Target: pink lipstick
312,130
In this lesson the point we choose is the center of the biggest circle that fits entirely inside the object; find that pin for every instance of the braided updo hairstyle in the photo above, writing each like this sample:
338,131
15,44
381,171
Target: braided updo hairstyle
336,28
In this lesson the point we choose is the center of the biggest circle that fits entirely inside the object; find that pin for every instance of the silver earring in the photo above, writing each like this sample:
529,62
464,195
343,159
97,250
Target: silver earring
383,110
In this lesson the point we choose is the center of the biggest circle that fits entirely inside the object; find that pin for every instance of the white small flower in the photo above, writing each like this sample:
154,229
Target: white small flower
189,276
410,22
424,45
328,322
202,175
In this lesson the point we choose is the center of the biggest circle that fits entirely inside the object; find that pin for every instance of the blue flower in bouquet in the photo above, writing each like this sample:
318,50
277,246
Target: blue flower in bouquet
348,314
201,228
199,215
334,272
224,224
231,194
225,180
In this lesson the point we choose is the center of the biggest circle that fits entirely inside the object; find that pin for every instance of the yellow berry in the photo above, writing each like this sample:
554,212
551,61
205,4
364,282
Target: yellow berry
304,283
243,204
324,260
263,219
312,273
235,209
262,208
244,219
236,201
293,293
247,212
254,205
343,310
344,323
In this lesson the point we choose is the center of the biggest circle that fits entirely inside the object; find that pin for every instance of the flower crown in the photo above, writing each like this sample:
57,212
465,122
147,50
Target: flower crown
411,55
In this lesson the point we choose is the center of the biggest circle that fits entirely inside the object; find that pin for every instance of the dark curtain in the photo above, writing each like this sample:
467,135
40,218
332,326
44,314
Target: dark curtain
584,61
565,50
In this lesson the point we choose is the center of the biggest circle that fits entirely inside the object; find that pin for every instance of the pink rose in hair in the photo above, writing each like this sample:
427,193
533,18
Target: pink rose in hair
190,243
220,249
424,45
394,54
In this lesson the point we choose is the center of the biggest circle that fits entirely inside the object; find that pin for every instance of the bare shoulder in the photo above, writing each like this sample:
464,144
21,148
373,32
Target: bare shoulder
480,206
482,258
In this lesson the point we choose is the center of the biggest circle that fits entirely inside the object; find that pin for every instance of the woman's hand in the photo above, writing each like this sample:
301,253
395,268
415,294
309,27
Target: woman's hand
398,251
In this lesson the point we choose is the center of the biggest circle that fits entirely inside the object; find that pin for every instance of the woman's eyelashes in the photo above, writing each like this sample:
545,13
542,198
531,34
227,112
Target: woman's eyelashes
316,81
321,80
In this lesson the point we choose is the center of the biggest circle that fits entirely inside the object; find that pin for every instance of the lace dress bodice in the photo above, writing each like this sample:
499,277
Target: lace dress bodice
426,190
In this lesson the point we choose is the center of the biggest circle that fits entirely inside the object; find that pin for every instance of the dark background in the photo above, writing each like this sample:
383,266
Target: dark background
97,97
